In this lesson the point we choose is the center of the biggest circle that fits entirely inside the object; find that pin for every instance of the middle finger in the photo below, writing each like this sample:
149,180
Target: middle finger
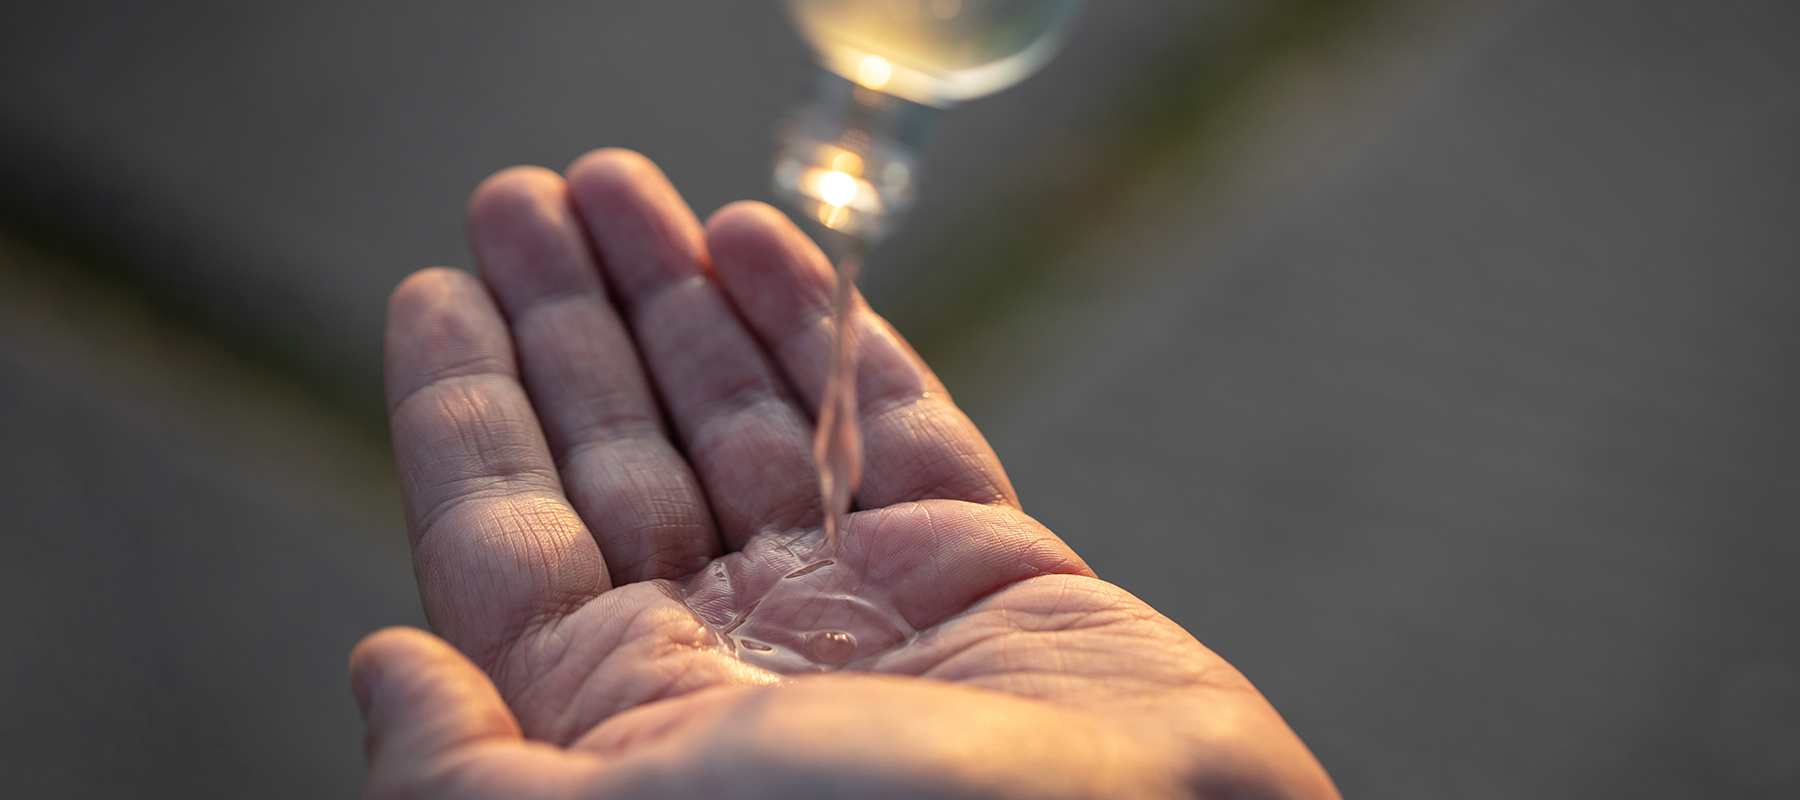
627,481
747,439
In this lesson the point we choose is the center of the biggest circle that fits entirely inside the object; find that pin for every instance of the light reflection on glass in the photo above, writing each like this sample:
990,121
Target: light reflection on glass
848,159
873,72
837,188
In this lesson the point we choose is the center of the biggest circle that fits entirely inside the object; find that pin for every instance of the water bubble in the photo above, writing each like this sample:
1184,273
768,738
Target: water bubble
810,569
829,647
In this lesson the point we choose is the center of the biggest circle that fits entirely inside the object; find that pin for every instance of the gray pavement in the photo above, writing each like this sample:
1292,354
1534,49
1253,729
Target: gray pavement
1450,393
171,629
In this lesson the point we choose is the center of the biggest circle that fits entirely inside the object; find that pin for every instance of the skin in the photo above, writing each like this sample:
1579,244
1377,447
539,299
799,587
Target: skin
623,397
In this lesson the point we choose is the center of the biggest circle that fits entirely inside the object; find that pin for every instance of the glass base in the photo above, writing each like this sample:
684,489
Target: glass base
849,158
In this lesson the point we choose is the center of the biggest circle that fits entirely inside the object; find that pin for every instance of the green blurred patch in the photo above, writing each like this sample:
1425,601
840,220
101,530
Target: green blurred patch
84,261
992,274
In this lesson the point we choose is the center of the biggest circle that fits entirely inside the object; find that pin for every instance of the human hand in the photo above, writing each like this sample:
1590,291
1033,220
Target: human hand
555,518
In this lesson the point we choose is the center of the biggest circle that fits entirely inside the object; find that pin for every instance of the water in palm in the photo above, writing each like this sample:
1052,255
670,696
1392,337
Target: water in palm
785,602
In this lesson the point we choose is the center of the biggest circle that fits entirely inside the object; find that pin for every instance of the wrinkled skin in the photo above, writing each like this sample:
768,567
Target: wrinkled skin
622,398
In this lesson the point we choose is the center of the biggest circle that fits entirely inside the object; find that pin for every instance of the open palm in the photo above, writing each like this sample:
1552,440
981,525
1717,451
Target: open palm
605,454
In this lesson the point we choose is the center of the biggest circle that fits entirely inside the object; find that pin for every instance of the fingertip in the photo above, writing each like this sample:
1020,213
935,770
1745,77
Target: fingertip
757,226
420,299
427,289
644,232
527,241
768,265
366,660
615,164
419,696
616,181
377,647
511,189
441,321
747,218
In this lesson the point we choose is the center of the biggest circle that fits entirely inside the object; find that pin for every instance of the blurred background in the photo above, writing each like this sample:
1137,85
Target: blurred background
1435,361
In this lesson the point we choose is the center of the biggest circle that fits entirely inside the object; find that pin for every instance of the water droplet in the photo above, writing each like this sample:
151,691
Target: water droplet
829,647
755,645
742,617
809,569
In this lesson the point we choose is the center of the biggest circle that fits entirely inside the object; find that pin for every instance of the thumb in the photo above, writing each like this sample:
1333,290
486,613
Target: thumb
422,701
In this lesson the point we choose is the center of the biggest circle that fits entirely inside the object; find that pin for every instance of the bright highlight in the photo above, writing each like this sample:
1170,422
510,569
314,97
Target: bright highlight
837,188
874,72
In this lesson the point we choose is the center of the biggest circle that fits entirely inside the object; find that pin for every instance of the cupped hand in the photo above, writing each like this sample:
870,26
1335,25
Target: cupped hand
622,400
